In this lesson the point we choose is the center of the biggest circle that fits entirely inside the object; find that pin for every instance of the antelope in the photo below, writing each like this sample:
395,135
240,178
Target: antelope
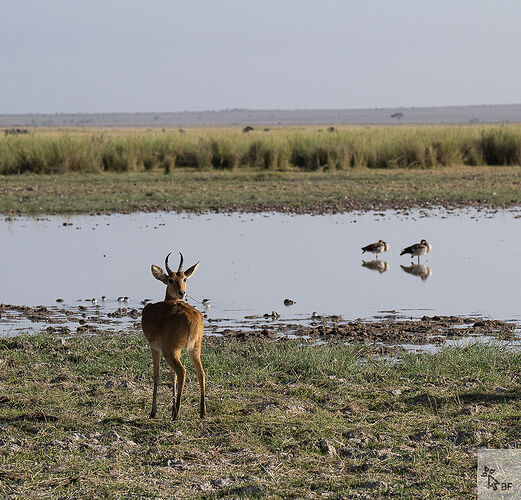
171,325
418,249
376,248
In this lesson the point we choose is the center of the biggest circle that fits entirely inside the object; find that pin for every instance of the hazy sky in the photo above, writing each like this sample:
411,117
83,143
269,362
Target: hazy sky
168,55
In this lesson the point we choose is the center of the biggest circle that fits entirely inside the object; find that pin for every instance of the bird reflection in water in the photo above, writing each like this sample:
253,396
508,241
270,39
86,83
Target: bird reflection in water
376,265
420,270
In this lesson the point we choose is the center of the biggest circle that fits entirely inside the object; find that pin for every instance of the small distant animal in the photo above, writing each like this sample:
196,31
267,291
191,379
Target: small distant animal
182,131
418,249
331,129
247,129
15,131
397,115
288,302
171,325
376,265
376,248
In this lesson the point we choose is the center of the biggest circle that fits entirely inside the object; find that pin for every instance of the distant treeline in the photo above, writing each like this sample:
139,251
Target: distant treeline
51,152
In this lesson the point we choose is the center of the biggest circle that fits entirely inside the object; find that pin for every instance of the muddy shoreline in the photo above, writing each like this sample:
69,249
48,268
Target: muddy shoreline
324,208
318,208
346,206
390,330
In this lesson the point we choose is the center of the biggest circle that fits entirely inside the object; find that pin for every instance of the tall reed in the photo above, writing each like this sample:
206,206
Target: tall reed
55,151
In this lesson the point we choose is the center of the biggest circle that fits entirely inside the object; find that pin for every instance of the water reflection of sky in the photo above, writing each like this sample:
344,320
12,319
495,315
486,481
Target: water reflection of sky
251,263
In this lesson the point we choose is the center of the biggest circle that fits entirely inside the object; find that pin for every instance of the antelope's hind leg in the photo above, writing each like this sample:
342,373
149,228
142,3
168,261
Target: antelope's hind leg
195,356
174,361
174,386
156,355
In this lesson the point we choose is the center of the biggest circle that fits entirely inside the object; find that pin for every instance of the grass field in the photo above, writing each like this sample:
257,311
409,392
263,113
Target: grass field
284,421
96,150
312,192
284,169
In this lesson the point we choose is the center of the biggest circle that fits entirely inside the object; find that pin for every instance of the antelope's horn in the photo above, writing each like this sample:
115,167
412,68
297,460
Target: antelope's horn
180,270
167,267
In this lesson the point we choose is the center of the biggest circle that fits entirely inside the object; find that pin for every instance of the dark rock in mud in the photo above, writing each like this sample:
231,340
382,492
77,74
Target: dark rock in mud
59,330
448,319
251,334
118,313
88,329
134,314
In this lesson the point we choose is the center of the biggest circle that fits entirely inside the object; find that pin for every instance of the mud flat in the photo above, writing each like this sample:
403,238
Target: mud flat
385,336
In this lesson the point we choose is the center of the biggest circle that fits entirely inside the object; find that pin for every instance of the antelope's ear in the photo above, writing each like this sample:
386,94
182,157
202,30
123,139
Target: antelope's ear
158,274
191,270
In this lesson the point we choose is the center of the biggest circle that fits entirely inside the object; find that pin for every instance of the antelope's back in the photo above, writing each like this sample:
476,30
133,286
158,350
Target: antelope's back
171,319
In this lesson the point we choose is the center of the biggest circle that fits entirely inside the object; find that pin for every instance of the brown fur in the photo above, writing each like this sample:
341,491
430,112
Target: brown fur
169,326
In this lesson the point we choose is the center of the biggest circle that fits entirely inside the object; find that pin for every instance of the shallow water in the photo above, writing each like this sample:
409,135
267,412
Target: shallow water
251,263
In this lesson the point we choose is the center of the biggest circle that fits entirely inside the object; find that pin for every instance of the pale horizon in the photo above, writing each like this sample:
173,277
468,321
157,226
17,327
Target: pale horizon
225,110
163,56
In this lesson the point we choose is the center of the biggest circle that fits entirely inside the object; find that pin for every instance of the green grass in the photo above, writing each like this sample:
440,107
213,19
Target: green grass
31,194
97,150
284,420
285,169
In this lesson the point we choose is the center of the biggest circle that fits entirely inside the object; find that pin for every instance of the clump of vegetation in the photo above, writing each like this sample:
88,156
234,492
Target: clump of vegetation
500,146
284,420
57,151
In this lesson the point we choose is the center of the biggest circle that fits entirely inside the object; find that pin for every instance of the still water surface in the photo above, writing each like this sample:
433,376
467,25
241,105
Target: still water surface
251,262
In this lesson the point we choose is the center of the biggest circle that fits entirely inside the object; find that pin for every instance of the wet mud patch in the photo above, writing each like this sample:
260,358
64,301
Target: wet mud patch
387,331
65,319
427,330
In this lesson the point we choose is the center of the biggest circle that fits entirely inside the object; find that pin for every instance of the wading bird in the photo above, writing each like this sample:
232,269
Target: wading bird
169,326
418,249
376,248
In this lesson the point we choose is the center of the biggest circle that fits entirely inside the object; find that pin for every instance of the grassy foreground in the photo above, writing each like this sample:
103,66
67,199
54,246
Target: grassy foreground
284,421
314,192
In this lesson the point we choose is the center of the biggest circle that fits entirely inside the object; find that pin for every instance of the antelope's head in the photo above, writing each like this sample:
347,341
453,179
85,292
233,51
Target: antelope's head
175,281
